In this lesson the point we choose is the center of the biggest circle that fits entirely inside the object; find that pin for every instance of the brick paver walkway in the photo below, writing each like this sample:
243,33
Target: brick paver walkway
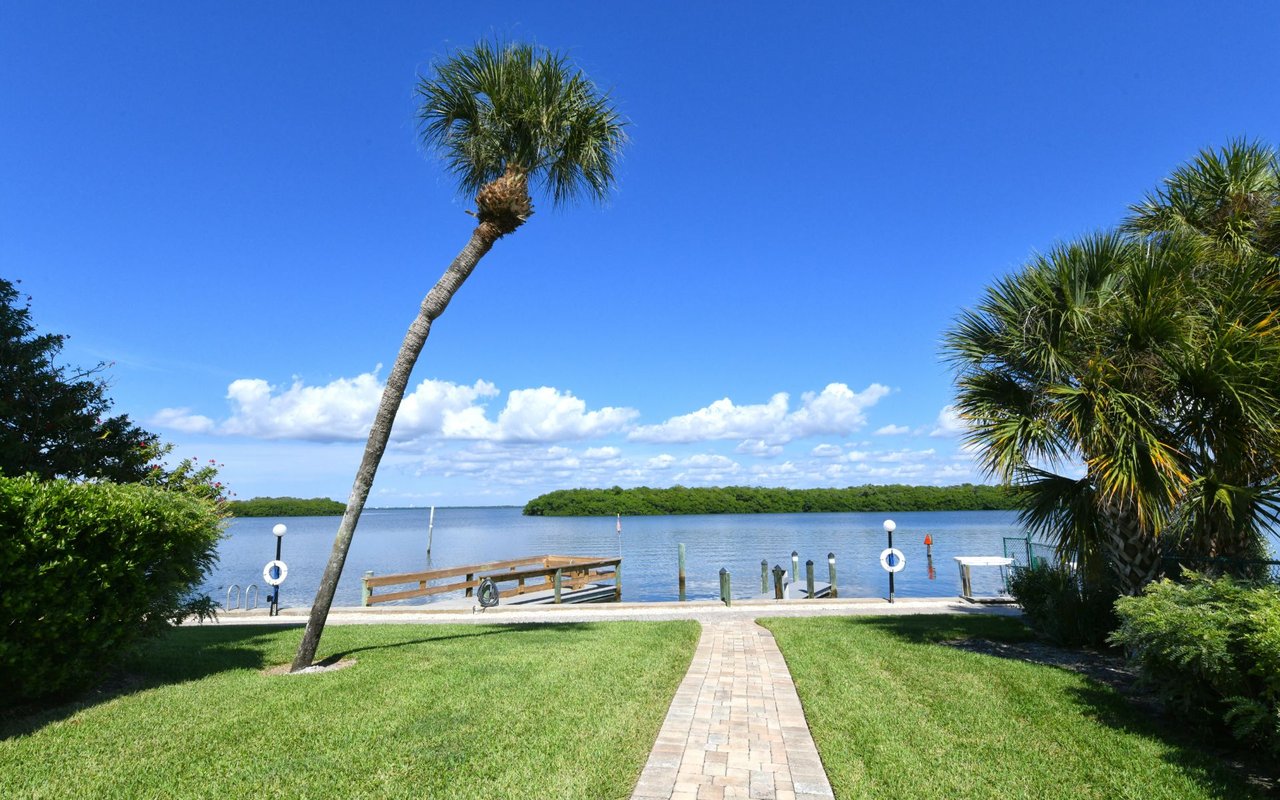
735,728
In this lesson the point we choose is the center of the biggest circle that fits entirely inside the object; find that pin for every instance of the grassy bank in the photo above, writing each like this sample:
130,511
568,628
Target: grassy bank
426,711
896,714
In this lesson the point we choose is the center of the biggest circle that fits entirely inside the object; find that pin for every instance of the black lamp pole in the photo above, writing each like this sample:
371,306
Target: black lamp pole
279,532
889,525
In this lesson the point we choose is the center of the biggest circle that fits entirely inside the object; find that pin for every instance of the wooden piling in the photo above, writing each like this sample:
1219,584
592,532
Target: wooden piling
808,577
764,576
778,574
682,572
366,592
831,573
559,577
795,566
726,587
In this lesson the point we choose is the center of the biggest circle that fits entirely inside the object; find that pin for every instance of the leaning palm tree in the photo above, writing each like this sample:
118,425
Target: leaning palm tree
504,116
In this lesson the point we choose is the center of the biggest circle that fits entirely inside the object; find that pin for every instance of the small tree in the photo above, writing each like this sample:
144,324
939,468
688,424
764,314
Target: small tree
503,116
54,423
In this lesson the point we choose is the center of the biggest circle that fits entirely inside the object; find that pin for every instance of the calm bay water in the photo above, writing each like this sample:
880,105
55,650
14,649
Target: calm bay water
395,540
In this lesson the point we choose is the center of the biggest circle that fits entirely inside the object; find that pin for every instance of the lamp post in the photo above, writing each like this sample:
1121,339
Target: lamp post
889,526
279,531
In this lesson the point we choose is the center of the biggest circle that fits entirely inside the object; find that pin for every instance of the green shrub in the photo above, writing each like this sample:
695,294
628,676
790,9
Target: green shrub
1211,648
1064,608
88,570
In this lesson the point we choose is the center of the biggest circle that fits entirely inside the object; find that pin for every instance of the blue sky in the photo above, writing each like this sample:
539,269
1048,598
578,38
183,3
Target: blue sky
229,202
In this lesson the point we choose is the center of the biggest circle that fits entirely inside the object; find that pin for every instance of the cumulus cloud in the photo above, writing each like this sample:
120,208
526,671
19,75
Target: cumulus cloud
707,468
892,430
181,419
949,423
546,415
759,448
836,410
826,451
343,410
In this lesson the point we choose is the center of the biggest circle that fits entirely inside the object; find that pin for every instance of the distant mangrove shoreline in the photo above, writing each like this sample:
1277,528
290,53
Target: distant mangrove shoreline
286,507
644,501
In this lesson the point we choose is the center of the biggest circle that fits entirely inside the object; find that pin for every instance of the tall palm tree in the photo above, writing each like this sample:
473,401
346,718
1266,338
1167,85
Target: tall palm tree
1056,367
503,116
1227,203
1150,358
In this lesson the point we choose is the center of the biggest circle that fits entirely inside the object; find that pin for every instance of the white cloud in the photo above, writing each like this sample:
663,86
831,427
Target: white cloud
836,410
826,451
601,453
547,415
664,461
892,430
343,410
759,448
720,420
949,423
181,419
707,468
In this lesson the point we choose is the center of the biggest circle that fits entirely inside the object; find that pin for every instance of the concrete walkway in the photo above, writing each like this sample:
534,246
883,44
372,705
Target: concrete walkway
735,728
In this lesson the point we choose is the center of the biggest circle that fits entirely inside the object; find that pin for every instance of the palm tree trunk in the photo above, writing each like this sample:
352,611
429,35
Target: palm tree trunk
1132,551
482,239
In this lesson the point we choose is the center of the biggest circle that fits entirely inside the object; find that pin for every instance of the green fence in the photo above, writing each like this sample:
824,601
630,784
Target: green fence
1027,553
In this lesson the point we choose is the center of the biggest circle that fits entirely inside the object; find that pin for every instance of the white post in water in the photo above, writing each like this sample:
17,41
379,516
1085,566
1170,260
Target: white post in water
431,525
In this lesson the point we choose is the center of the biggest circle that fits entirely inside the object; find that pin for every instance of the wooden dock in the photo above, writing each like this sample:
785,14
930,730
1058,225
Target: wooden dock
531,580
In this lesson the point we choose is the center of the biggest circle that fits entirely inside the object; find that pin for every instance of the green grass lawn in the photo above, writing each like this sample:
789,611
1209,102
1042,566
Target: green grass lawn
427,711
897,715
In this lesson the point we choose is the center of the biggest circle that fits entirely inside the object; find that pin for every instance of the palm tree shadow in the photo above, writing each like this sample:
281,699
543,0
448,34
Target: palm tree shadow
486,630
1222,771
1209,760
181,655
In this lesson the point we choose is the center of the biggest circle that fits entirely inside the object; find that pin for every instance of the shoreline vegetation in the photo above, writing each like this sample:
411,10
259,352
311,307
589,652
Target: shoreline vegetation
644,501
286,507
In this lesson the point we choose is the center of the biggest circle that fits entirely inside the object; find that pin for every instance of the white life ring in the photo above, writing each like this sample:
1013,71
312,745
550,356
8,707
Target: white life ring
276,581
892,560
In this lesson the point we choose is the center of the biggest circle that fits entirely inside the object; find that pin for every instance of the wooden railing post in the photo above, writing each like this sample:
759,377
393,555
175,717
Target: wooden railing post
558,577
366,593
617,582
470,577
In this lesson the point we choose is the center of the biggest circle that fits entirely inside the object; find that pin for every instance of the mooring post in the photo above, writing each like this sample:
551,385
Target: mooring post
808,577
726,587
778,574
831,571
682,572
366,592
617,582
795,566
764,576
558,577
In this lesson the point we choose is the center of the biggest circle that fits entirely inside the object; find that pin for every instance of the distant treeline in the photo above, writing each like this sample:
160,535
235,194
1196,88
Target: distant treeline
643,501
286,507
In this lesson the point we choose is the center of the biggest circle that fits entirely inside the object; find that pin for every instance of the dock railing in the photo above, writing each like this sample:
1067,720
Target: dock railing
522,575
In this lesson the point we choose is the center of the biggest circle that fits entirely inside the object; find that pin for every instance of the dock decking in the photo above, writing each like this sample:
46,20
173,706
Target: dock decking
530,580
